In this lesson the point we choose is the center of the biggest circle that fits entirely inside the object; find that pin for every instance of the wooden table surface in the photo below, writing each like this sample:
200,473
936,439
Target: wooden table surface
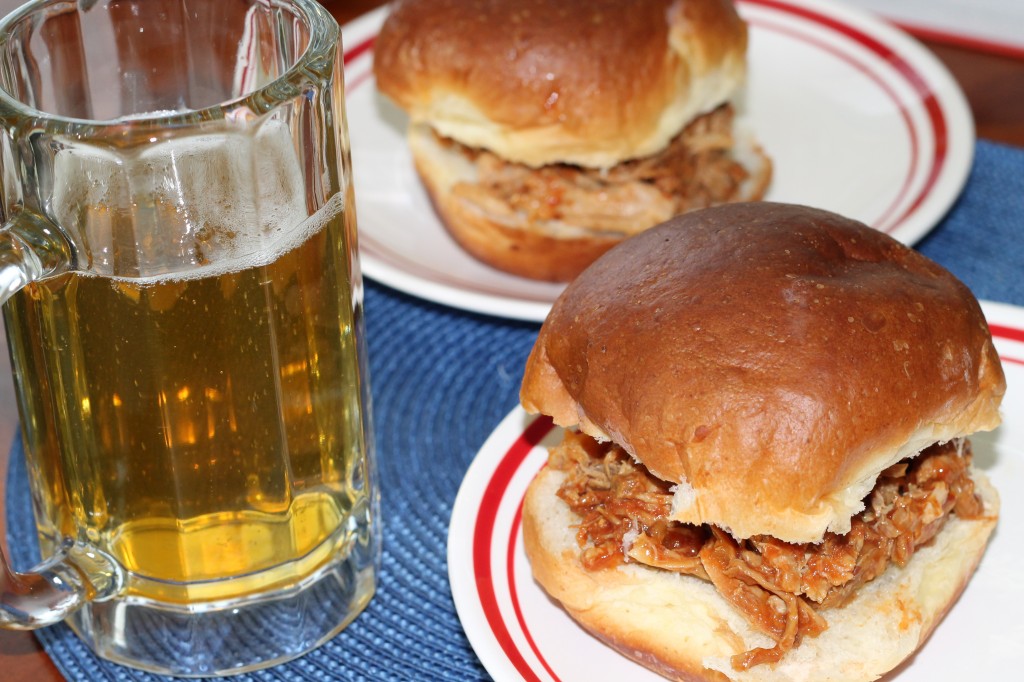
994,85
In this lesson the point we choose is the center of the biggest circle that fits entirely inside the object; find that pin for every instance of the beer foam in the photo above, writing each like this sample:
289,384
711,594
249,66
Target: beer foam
185,204
285,240
155,113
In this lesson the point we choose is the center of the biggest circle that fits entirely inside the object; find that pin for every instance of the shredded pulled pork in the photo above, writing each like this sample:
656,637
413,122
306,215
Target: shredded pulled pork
778,586
696,170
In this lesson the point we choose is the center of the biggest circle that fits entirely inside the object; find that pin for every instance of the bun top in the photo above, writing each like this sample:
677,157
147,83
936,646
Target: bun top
770,359
588,82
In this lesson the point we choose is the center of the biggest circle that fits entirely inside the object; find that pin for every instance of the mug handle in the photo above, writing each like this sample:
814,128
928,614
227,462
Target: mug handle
43,596
32,248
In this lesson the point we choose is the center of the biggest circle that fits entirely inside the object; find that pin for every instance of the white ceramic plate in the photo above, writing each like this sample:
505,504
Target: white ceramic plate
519,634
858,117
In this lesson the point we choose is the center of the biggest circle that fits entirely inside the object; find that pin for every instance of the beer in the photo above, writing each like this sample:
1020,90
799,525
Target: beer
183,307
203,426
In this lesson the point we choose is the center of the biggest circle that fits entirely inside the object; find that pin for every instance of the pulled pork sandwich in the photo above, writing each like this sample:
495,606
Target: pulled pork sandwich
546,131
768,476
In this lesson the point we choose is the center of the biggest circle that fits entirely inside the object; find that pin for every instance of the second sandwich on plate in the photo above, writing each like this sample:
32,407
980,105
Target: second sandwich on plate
547,132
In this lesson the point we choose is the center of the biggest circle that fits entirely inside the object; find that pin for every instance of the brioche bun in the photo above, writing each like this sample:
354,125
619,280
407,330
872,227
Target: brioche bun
681,627
558,98
586,82
771,360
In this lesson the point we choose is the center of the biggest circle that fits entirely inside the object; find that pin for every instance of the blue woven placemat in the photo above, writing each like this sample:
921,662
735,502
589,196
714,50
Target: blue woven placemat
442,380
981,239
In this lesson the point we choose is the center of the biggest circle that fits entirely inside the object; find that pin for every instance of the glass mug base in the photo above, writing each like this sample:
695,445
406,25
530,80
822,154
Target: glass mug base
236,635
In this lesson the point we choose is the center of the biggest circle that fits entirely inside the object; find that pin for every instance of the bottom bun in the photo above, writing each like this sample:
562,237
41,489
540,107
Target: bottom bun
679,626
555,250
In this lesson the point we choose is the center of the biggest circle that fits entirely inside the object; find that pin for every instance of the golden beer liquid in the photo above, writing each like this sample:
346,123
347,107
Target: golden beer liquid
204,431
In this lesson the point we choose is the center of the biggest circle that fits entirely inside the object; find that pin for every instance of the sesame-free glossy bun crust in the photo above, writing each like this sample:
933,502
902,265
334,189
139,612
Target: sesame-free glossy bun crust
770,358
589,82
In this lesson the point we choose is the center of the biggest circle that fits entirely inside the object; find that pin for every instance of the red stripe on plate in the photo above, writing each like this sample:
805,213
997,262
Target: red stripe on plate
356,81
936,35
483,534
359,49
1010,333
824,46
928,97
1005,332
514,592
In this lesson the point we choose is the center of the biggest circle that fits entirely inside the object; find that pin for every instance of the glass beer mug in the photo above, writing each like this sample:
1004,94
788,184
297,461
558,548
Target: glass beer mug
184,315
